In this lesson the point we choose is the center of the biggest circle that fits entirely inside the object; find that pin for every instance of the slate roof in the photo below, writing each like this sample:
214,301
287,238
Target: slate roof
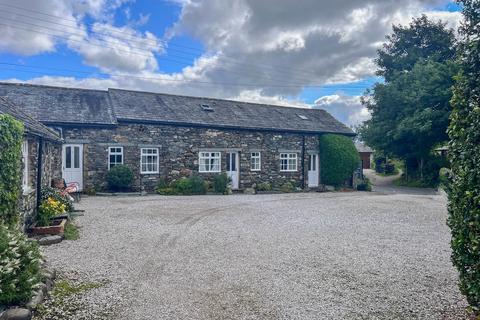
60,105
94,107
166,108
31,125
362,147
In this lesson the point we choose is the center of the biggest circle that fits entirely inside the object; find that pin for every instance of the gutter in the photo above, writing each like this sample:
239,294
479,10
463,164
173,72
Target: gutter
226,126
39,173
303,162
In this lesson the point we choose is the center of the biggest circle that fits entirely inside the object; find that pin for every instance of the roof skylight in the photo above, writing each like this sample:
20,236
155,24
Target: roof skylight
206,107
301,116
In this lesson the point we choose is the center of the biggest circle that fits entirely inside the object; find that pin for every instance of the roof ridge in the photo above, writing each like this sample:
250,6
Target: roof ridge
209,98
25,84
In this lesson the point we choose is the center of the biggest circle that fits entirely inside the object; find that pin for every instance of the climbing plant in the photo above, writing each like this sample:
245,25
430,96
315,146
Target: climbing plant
338,159
11,137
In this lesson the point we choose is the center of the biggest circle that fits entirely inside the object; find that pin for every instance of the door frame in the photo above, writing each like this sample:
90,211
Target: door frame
64,159
317,170
237,166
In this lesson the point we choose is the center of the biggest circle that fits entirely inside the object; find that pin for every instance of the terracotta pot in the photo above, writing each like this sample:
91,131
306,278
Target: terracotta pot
56,227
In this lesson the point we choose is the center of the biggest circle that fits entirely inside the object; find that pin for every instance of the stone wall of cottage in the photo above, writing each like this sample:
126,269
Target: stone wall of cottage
51,169
179,148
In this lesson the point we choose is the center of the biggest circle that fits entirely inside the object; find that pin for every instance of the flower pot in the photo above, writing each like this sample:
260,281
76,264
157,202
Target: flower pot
57,226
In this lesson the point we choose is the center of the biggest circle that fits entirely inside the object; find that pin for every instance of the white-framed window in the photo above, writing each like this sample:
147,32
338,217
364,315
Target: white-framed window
209,161
115,156
288,162
149,160
25,185
255,161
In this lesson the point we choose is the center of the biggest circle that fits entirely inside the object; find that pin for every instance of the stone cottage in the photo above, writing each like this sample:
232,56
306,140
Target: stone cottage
41,155
167,136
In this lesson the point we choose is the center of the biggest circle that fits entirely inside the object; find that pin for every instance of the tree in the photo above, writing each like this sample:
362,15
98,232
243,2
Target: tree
464,154
410,110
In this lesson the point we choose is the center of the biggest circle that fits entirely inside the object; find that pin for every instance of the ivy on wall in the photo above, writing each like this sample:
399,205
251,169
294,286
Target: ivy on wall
11,138
338,159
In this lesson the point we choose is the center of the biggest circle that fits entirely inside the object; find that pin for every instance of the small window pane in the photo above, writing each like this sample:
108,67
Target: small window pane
68,157
76,157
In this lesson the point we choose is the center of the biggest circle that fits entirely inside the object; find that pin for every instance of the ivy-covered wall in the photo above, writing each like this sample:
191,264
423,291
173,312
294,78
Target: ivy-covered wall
11,138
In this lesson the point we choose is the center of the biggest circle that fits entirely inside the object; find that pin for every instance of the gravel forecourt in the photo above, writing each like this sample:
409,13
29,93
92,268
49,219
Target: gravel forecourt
351,255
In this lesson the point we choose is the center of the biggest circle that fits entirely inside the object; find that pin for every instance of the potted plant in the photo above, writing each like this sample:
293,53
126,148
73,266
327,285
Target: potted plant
46,222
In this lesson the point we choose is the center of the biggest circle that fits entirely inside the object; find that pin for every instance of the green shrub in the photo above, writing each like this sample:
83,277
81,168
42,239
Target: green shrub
365,185
264,186
220,183
338,159
183,186
11,138
287,187
167,191
120,178
198,185
49,192
19,267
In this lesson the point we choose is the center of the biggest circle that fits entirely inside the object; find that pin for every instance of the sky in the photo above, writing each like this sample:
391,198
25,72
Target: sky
307,53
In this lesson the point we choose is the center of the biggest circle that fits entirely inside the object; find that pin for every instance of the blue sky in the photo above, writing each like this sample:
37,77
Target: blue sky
227,49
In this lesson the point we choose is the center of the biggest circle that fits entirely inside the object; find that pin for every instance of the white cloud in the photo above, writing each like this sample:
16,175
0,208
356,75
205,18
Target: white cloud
261,51
347,109
114,49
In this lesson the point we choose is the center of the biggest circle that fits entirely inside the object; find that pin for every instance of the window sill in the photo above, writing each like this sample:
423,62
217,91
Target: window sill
288,170
147,173
255,170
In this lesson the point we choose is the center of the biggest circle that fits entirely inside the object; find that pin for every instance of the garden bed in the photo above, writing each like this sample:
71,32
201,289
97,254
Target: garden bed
57,227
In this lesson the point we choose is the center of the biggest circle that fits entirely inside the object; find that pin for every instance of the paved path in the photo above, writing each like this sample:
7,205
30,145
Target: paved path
384,184
288,256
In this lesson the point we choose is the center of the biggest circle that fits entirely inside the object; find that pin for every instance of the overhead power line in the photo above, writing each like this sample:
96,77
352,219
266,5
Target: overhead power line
154,42
138,50
182,62
160,78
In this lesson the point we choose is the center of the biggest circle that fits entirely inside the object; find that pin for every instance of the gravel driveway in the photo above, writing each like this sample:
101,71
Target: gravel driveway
288,256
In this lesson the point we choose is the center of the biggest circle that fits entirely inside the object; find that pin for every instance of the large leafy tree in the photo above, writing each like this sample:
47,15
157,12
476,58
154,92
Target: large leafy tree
464,153
410,110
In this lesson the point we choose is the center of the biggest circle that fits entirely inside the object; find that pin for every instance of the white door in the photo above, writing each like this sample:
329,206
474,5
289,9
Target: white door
72,164
313,173
233,170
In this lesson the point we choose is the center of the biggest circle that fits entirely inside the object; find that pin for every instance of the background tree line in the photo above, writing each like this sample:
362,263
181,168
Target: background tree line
411,108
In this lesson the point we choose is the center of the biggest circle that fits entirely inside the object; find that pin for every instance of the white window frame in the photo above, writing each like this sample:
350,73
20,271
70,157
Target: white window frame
144,153
25,171
291,159
206,161
255,161
115,153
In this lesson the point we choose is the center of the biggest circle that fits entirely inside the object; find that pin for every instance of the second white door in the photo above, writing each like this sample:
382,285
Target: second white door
72,164
233,170
313,172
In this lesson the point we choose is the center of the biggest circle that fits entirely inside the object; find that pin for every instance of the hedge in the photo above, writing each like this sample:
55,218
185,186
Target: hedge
11,139
464,155
338,159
